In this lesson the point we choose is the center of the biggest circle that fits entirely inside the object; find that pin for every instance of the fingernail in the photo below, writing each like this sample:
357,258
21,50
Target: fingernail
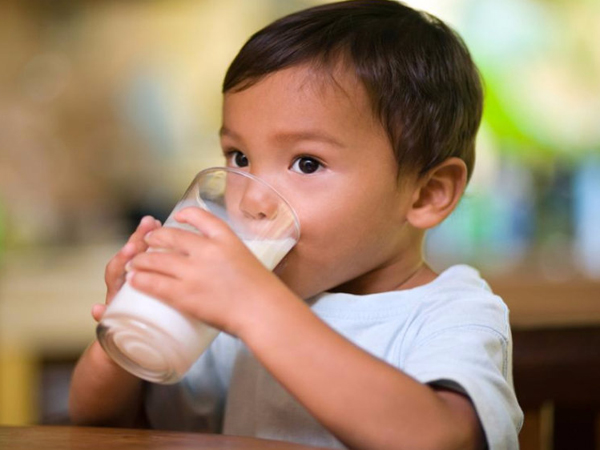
147,235
129,275
128,248
147,220
128,266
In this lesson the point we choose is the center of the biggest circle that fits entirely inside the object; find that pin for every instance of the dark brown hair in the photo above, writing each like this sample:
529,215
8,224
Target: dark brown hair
418,73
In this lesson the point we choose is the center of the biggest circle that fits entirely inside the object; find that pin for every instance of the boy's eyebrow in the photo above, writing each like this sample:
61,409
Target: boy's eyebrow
223,131
293,136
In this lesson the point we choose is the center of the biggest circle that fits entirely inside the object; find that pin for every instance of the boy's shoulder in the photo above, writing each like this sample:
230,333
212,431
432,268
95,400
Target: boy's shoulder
457,297
460,297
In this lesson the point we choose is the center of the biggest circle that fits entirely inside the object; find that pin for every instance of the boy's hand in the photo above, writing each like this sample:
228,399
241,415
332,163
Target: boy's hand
212,275
114,275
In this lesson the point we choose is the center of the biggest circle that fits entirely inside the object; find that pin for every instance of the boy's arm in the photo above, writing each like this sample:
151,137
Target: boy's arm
102,393
365,402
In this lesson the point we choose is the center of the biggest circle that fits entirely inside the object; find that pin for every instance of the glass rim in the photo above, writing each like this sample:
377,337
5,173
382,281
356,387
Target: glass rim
262,182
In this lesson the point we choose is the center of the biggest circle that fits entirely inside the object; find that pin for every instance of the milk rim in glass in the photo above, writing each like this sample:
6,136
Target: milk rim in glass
158,343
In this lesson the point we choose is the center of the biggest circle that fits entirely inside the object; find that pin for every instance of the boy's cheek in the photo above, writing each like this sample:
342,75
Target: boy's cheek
305,278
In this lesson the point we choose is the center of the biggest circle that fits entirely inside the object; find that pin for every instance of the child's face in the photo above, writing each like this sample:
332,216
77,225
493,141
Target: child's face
319,145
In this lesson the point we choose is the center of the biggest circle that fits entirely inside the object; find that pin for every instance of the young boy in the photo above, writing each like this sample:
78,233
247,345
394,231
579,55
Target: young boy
363,115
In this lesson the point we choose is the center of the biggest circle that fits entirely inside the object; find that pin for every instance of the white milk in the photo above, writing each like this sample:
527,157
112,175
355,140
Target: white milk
270,251
157,342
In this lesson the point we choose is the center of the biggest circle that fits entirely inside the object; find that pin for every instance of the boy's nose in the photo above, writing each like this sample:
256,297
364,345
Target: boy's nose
258,202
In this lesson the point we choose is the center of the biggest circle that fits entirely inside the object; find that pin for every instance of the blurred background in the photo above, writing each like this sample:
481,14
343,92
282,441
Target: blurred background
108,108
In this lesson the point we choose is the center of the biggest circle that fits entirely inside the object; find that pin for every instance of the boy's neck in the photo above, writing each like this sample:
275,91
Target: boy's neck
398,276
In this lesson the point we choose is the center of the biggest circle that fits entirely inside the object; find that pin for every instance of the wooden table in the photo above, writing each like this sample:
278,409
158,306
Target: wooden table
89,438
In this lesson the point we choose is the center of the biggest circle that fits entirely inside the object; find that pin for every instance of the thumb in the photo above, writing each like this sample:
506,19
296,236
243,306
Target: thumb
98,311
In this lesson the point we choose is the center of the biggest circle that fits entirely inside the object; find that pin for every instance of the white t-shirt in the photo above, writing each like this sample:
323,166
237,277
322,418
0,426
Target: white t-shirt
453,332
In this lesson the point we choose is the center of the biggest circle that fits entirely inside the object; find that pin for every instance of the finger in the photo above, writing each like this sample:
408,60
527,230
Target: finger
118,261
205,222
148,223
155,285
174,239
114,274
98,311
170,264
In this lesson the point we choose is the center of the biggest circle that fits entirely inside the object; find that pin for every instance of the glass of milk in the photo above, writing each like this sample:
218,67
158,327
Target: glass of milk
158,343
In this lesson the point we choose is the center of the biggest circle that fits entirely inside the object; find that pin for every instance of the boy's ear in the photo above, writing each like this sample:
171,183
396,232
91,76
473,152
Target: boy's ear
437,193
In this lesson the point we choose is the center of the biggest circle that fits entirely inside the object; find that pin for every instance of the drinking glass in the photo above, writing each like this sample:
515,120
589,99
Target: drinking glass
158,343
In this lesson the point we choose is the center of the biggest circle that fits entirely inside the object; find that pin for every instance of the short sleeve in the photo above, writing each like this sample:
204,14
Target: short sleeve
477,361
196,403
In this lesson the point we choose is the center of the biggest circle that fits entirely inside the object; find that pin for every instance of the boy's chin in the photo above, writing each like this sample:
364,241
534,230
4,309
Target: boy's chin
294,283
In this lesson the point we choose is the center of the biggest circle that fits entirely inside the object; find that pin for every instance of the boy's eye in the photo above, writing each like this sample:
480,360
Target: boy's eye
306,165
238,159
